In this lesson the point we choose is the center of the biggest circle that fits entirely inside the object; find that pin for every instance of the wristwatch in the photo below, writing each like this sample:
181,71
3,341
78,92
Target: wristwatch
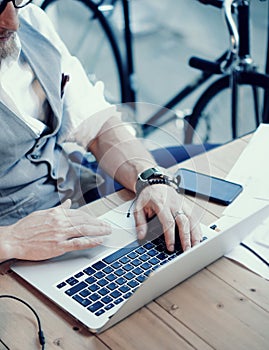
153,176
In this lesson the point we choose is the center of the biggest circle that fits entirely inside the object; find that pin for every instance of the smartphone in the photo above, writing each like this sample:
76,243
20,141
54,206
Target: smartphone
212,188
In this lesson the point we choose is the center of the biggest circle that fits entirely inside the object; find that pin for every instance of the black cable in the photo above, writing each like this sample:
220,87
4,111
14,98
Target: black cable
5,345
41,336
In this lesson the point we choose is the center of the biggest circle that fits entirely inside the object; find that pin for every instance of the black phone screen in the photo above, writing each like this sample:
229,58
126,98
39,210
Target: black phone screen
212,188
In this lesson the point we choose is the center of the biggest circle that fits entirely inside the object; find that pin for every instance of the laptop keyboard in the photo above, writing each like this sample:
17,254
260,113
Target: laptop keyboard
112,280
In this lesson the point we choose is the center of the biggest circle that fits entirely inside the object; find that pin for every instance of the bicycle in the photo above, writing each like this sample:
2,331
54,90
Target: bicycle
99,20
238,68
235,65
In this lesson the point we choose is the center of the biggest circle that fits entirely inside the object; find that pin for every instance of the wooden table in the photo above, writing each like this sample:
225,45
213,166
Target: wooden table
224,306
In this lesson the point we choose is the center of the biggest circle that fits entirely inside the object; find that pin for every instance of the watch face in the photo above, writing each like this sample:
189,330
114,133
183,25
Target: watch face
148,173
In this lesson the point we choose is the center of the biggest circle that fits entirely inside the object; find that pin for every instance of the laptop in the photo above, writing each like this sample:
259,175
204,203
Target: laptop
101,286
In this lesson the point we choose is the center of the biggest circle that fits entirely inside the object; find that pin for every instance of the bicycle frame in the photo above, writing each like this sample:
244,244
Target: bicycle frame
236,61
128,73
237,58
237,69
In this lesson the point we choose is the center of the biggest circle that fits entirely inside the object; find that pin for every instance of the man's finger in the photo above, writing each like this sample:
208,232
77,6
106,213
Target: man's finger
196,234
140,223
80,243
183,225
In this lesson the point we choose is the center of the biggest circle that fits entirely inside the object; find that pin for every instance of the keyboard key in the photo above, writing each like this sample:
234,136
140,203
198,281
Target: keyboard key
121,252
138,271
85,293
172,256
140,250
96,306
136,262
124,289
118,301
102,282
77,298
129,276
89,271
159,240
99,312
108,269
61,285
146,266
111,277
78,287
115,294
128,267
116,265
148,245
132,255
133,284
94,297
82,301
127,295
103,291
119,272
72,281
144,257
86,302
90,280
160,248
99,274
154,261
141,278
153,252
161,256
109,306
99,265
79,274
120,281
106,300
112,286
164,262
94,287
124,260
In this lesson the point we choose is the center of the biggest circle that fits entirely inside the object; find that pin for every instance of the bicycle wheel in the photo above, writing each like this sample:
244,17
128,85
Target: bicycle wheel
212,111
90,37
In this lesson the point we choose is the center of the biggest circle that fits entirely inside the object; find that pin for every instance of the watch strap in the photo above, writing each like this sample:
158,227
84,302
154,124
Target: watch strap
154,176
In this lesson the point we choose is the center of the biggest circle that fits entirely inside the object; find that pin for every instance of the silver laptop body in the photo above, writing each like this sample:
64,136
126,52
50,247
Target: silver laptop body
50,277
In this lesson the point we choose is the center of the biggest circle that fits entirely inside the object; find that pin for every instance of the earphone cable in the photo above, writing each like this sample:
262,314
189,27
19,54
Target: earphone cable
41,336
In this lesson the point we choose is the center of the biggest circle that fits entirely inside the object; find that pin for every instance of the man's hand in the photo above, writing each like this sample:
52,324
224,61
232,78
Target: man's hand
171,209
49,233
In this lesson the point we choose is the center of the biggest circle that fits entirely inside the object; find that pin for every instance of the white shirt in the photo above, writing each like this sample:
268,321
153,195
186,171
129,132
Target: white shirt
84,102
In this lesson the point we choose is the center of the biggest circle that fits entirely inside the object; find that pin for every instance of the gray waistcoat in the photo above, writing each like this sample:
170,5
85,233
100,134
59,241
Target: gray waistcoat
35,173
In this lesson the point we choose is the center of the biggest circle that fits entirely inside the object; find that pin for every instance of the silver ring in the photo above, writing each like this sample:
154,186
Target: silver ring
178,213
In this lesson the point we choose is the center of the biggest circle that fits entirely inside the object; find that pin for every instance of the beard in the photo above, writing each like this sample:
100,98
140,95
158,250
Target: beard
8,48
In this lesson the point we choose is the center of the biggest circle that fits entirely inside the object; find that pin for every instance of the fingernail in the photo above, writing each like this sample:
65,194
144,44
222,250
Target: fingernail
98,241
171,248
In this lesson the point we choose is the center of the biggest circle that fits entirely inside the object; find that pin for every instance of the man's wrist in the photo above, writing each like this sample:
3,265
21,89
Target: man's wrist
154,176
5,245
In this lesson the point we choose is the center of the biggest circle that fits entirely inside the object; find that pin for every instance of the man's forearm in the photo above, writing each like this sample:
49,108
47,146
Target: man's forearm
120,154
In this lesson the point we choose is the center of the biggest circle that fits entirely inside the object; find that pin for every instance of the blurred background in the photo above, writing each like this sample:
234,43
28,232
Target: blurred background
165,35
